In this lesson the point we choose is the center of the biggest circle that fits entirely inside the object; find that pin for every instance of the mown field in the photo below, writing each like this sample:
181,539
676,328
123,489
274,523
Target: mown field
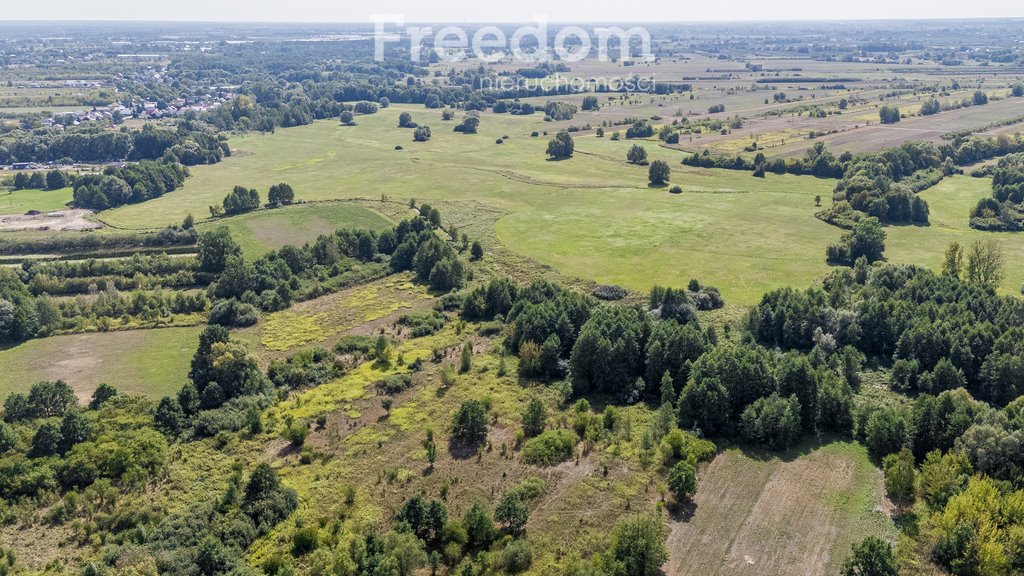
772,514
153,362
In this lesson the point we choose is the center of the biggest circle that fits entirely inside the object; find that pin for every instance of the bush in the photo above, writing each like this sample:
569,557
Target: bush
231,312
394,384
516,557
609,292
549,448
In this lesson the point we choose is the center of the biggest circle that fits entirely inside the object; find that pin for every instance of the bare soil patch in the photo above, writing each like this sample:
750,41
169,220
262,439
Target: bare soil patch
60,220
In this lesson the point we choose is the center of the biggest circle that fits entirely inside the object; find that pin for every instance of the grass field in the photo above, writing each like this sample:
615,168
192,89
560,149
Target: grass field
21,201
266,230
949,203
592,216
762,515
561,213
149,362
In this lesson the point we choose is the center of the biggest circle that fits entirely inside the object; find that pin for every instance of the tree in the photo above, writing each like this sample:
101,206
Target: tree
347,118
535,417
985,263
466,361
47,399
638,546
659,173
871,557
773,421
407,550
55,180
512,514
953,261
47,440
886,432
421,134
405,120
266,500
899,476
590,103
868,240
637,155
75,427
561,146
215,247
37,181
280,195
169,416
470,423
668,389
479,526
476,252
682,481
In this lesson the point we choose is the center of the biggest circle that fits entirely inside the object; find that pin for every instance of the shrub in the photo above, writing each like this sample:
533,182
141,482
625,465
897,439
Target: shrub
549,448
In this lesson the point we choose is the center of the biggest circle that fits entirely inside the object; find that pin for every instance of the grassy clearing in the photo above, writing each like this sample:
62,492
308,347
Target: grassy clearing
260,232
759,514
949,203
21,201
149,362
319,319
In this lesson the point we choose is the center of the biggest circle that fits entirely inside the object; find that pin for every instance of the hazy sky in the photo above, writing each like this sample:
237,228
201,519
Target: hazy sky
510,11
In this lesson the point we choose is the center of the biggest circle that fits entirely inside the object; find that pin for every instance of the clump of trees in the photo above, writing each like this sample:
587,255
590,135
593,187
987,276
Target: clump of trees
561,146
1004,210
469,125
559,111
127,185
280,195
239,201
889,114
866,240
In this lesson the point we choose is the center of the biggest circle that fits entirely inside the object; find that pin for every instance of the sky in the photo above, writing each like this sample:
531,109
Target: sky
502,11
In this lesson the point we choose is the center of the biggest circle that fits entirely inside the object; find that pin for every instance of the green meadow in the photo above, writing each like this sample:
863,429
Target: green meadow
265,230
21,201
592,216
152,362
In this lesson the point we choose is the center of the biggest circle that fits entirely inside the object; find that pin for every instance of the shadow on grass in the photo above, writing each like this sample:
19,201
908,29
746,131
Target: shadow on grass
682,511
805,446
463,450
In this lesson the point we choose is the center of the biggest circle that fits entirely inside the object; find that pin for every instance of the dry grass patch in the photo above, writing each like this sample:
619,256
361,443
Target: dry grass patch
762,515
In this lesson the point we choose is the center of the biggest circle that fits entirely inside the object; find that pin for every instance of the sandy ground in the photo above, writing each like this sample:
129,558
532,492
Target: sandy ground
76,219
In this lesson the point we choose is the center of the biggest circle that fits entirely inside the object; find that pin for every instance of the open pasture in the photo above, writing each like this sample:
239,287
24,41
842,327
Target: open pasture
260,232
592,216
152,362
